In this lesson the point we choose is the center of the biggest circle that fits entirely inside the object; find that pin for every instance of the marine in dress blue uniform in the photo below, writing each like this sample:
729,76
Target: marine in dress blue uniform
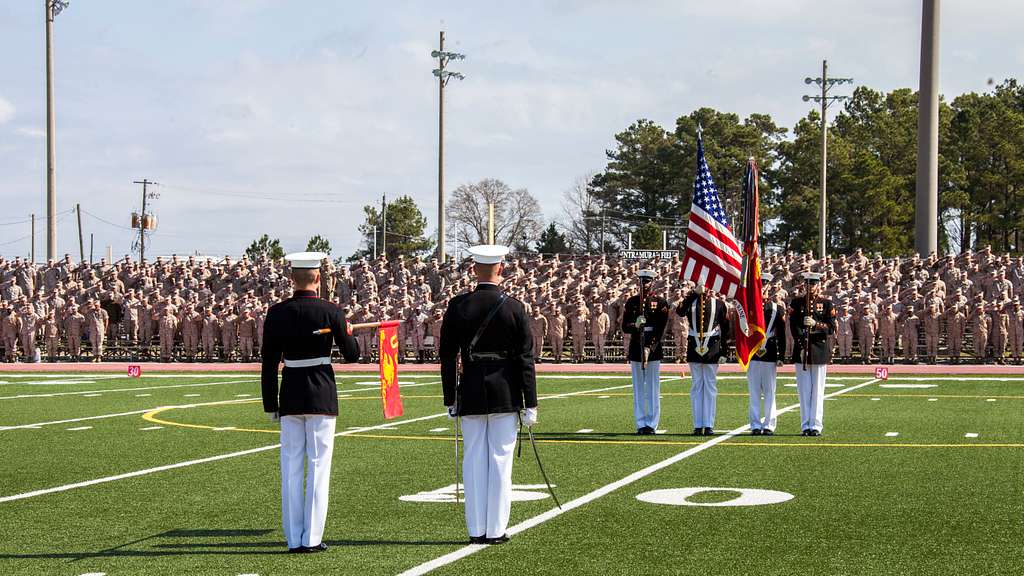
301,331
644,318
706,347
762,370
811,351
490,331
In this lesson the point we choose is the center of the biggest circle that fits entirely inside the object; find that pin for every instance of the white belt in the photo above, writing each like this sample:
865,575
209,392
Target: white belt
306,362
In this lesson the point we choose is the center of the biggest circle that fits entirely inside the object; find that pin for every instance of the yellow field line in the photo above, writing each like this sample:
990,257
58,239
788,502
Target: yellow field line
882,395
694,443
151,417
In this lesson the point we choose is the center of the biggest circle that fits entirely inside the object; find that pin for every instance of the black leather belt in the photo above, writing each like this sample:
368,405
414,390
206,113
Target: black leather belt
487,356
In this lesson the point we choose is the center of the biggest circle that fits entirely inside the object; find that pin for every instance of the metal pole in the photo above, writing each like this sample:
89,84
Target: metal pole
629,241
384,225
90,247
81,245
51,146
823,216
490,222
664,239
604,221
33,252
440,158
927,206
374,242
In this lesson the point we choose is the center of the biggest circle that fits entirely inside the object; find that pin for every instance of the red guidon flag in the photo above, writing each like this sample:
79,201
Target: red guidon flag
388,348
750,333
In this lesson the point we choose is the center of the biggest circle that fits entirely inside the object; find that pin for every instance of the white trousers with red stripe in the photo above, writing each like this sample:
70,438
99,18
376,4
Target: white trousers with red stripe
306,442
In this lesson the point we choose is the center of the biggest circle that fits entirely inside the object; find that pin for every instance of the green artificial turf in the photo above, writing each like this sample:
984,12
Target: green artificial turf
926,501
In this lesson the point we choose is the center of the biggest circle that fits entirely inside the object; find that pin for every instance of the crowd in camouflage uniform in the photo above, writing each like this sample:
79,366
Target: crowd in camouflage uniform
187,309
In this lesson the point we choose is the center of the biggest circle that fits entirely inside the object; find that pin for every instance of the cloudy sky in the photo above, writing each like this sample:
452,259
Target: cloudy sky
267,116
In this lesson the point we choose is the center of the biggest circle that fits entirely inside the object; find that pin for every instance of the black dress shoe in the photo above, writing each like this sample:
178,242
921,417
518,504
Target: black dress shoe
297,550
755,432
649,431
478,539
321,547
708,431
767,432
814,433
640,431
499,540
698,431
805,433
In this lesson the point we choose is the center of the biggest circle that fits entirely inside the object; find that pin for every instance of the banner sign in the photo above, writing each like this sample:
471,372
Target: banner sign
648,254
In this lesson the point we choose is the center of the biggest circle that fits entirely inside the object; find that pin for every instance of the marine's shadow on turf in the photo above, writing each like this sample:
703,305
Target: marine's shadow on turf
243,547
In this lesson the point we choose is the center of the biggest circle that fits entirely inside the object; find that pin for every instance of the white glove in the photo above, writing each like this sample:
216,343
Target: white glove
529,417
808,321
452,412
640,321
274,416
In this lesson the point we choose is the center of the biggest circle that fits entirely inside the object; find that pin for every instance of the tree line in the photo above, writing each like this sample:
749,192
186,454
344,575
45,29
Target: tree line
645,188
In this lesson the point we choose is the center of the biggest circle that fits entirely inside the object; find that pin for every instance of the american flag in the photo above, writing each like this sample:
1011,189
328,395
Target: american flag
712,257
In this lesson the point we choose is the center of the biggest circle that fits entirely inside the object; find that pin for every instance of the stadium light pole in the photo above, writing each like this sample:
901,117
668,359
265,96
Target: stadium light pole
825,100
443,76
926,210
53,8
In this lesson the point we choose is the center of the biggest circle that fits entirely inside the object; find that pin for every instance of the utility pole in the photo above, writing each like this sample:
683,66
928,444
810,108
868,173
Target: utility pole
926,209
81,246
443,76
91,238
52,9
825,100
374,242
384,225
33,251
142,217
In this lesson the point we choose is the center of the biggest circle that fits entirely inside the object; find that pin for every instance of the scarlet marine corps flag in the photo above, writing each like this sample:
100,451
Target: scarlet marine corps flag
388,349
750,335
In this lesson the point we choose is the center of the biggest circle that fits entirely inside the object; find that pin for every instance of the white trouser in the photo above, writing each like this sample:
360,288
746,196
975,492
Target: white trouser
303,515
761,383
489,442
704,394
810,385
646,394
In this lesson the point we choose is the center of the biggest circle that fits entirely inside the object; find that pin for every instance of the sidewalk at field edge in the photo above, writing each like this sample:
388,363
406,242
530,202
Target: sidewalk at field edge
545,368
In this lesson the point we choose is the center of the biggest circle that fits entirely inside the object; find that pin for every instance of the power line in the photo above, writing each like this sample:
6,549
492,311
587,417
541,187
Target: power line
26,237
108,222
252,196
27,220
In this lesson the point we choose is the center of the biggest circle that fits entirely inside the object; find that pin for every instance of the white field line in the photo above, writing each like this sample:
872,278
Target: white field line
603,491
252,379
53,394
143,411
136,473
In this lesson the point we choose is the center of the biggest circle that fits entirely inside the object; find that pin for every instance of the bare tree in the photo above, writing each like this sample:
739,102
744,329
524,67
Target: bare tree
517,215
582,217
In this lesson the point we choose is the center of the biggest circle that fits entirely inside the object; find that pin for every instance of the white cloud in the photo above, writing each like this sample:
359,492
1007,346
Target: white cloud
6,111
30,132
